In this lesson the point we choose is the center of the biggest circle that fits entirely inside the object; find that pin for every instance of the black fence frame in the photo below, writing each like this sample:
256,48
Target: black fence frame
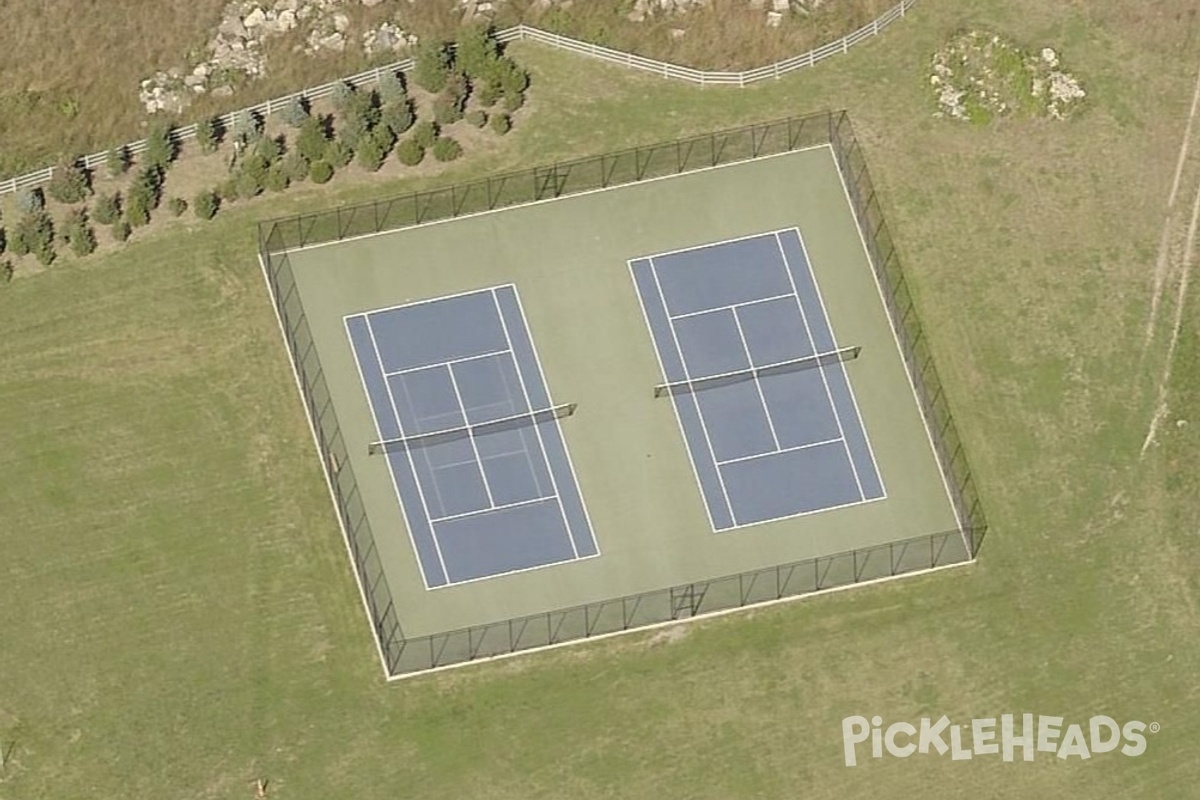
403,655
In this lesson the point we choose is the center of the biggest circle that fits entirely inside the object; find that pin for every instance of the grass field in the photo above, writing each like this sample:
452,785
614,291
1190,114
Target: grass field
178,617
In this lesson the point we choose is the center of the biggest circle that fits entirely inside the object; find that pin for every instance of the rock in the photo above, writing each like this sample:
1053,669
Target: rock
340,22
254,18
334,41
676,33
371,3
287,20
223,91
780,6
773,19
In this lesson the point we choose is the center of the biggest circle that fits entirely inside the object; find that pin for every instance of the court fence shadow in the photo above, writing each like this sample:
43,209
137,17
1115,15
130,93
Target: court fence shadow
403,655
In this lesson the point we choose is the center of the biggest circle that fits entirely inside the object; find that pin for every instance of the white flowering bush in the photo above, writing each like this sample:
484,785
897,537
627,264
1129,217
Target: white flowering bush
979,75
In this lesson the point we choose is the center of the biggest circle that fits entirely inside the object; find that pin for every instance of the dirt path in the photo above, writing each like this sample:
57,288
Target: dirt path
1176,257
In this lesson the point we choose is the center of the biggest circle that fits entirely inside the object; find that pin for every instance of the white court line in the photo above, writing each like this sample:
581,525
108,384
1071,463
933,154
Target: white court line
437,489
500,507
728,307
757,383
587,518
398,306
862,426
409,370
471,436
529,404
699,412
943,468
787,267
734,240
412,466
444,220
525,449
776,452
662,370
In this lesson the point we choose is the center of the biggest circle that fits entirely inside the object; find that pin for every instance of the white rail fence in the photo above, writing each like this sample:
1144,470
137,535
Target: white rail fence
628,60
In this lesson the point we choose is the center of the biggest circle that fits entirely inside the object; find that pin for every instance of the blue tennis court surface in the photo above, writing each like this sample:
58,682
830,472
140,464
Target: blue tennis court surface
484,501
773,444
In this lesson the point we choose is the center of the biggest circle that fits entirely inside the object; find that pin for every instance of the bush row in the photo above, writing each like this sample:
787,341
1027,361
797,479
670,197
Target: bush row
474,82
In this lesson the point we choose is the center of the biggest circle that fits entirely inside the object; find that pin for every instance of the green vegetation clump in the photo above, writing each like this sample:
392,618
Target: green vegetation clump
432,65
477,117
34,234
161,149
79,234
501,124
177,205
425,133
121,230
313,140
410,152
117,161
446,149
205,204
320,171
70,183
208,134
107,208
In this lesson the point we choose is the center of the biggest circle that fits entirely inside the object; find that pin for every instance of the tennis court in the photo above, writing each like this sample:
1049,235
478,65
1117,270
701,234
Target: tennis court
759,384
585,415
465,422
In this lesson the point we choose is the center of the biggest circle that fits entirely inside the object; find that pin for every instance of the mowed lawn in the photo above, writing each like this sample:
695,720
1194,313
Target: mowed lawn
177,613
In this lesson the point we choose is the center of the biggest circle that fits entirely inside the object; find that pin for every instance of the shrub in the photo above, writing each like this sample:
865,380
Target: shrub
341,94
391,89
70,182
295,167
397,117
276,180
447,109
513,101
6,271
177,205
145,192
475,50
3,241
117,161
80,236
107,209
295,113
35,234
253,165
227,191
30,199
446,149
501,124
137,209
268,149
320,171
478,118
486,94
339,154
312,140
249,184
432,66
208,134
246,128
410,152
121,230
507,76
425,133
205,204
160,147
371,153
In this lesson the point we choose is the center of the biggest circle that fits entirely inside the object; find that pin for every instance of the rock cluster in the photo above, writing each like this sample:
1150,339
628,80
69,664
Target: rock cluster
236,50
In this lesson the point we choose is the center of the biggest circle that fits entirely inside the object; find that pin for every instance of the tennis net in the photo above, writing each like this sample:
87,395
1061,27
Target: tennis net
509,423
752,373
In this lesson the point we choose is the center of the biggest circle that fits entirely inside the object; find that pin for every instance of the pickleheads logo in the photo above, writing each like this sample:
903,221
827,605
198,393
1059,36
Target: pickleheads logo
992,736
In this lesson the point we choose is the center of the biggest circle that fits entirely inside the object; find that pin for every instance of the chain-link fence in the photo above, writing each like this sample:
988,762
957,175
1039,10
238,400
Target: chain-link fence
410,655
